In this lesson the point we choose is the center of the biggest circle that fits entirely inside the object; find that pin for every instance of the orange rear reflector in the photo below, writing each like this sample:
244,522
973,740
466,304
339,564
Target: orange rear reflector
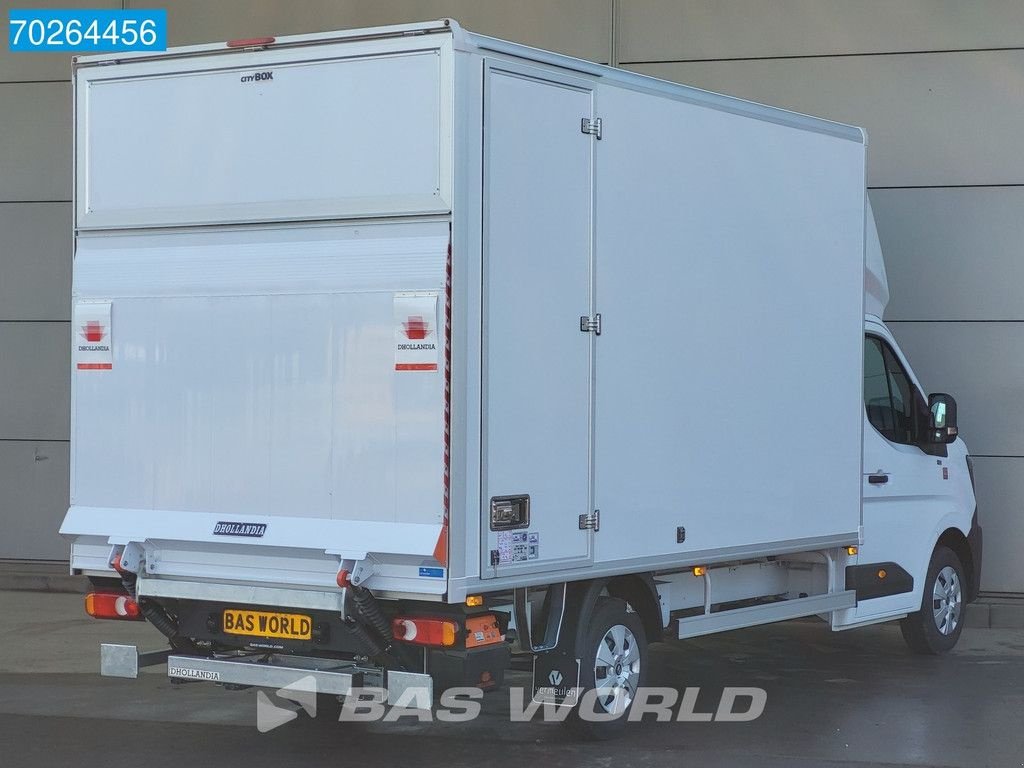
441,547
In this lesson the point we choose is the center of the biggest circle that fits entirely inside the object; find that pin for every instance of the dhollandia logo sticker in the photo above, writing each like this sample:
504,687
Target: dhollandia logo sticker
253,530
92,343
416,340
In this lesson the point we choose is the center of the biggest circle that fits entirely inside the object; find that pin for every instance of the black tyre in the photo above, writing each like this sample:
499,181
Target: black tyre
937,626
612,649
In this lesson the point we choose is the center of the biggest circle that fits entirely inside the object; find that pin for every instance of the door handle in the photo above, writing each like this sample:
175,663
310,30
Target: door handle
878,479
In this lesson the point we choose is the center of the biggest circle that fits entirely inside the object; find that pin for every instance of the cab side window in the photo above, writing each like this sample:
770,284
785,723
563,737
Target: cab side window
894,406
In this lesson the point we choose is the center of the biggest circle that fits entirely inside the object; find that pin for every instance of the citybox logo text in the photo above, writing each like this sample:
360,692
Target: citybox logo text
461,705
257,77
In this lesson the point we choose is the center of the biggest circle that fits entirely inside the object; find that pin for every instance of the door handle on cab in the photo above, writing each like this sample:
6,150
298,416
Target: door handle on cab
878,479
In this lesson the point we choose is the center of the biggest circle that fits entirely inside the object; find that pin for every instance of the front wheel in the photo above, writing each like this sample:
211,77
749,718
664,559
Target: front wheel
612,650
937,626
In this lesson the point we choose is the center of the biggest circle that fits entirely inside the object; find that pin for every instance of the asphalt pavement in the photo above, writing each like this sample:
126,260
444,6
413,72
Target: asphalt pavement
857,698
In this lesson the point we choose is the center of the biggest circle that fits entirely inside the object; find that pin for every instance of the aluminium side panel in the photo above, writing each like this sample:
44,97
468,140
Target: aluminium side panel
729,268
794,143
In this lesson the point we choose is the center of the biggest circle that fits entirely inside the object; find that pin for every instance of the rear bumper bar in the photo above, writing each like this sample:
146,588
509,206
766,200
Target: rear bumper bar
275,671
329,676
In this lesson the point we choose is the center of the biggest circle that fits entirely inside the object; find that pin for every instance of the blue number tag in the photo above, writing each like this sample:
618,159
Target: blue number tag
86,31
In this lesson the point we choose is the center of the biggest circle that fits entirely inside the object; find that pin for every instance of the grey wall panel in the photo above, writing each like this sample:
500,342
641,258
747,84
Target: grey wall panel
941,119
660,30
35,261
982,366
580,28
33,499
35,144
953,254
41,66
934,119
1000,492
35,381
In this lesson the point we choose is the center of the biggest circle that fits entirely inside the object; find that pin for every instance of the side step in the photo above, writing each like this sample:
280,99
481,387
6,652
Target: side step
709,623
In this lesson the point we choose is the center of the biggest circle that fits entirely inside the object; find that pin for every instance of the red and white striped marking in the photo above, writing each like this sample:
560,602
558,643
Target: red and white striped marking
441,548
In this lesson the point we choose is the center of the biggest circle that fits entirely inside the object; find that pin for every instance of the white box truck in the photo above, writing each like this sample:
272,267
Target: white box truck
400,350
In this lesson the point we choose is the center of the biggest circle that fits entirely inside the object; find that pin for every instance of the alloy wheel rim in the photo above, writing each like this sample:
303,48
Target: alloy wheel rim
947,600
617,669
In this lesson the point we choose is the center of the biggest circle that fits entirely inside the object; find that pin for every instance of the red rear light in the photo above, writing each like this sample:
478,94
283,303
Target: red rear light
250,42
423,631
112,605
344,579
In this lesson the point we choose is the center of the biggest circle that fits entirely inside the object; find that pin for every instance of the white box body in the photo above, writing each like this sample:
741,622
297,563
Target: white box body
345,309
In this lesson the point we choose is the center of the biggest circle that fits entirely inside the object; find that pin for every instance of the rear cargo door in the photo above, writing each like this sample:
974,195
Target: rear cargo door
538,283
290,380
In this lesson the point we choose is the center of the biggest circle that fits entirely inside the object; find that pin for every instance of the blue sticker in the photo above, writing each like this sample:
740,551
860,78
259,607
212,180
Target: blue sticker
87,30
434,573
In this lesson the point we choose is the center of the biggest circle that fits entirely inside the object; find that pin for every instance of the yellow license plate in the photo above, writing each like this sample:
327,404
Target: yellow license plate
287,626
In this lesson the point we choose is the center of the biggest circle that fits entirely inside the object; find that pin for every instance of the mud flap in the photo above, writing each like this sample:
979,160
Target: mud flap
556,679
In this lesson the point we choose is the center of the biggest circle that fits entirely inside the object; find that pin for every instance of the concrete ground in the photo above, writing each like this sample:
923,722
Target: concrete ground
851,699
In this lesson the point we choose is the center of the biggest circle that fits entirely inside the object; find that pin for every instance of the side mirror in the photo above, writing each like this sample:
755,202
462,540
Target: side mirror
943,428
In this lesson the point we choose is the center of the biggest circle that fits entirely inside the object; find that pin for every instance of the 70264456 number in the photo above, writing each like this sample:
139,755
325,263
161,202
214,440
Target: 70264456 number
87,31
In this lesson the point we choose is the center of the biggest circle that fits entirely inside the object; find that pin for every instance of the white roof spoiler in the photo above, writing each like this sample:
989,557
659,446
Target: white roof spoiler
876,283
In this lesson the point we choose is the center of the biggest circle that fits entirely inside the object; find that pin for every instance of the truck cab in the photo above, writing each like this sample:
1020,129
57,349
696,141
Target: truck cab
919,506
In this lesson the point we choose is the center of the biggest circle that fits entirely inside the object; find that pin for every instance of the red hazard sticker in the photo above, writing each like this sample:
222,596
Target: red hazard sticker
93,348
416,347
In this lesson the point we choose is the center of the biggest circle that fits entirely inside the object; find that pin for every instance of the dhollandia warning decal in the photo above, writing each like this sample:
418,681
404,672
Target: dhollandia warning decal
92,342
416,345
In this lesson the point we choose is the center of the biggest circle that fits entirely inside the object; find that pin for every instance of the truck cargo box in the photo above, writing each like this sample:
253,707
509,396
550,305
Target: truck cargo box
453,315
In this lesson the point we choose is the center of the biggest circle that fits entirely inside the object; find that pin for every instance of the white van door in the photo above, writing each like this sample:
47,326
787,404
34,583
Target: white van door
537,383
905,488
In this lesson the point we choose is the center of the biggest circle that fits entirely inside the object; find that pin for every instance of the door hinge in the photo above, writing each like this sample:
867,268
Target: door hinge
591,127
591,522
591,324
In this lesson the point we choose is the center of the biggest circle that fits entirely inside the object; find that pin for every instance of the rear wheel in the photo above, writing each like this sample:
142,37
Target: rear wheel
937,626
612,650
